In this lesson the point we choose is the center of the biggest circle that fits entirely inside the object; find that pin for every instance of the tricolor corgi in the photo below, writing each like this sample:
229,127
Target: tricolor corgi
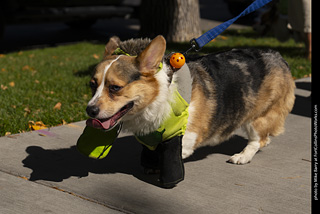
247,88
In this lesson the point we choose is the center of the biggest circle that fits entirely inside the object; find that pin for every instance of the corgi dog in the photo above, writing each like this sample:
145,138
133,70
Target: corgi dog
247,88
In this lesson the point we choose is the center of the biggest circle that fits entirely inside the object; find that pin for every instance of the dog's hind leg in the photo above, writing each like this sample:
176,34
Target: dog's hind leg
279,94
251,149
258,131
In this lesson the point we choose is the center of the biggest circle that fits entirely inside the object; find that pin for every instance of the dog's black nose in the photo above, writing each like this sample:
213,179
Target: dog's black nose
92,111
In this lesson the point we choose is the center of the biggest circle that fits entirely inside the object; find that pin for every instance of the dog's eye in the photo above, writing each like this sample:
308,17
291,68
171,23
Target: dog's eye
93,84
114,88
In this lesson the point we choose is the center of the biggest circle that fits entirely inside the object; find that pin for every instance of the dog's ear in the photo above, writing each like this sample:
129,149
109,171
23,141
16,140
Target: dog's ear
151,57
111,46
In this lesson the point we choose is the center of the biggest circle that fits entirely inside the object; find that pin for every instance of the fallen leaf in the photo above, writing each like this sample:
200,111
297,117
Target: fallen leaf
56,188
219,38
57,106
3,69
23,177
3,87
27,109
2,55
26,67
64,122
37,81
7,133
74,126
96,56
223,37
12,84
13,136
37,125
291,177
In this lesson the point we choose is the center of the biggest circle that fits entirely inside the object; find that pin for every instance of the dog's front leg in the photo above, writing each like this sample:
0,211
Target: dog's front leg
188,144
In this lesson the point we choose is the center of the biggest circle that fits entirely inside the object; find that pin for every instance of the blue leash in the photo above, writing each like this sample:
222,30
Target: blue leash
201,41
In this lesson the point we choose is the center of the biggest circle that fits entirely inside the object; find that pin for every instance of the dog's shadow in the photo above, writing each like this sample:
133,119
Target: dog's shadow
234,145
124,157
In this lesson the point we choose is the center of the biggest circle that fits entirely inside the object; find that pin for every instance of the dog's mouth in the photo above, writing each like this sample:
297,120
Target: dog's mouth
110,122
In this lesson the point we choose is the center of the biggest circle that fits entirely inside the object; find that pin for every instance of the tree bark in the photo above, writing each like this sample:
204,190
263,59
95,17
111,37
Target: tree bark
176,20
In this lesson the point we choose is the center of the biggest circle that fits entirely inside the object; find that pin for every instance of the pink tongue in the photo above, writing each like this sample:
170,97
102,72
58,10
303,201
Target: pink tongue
95,123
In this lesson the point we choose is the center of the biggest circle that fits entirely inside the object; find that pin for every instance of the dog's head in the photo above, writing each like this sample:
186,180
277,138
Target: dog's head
122,86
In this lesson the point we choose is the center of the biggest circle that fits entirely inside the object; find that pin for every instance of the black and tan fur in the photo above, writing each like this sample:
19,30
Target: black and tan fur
249,88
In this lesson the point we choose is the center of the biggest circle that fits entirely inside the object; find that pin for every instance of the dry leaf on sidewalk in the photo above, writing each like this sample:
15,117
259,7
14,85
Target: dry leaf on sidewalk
37,125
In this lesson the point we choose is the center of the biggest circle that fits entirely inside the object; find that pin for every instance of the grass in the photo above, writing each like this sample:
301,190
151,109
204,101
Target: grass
51,84
34,82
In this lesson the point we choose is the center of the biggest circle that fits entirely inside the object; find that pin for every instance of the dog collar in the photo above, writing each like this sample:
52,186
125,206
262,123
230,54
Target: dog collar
119,51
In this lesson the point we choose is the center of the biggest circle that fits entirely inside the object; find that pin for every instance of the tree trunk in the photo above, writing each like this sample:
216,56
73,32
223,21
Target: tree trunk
176,20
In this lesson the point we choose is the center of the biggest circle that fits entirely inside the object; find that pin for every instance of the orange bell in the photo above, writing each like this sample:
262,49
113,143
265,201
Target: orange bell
177,60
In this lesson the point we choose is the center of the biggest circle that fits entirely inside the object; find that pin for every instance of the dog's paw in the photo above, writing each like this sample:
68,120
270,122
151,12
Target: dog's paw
188,142
240,158
186,153
247,153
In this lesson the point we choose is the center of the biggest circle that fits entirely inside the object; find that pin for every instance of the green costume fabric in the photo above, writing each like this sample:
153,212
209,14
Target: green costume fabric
96,143
174,125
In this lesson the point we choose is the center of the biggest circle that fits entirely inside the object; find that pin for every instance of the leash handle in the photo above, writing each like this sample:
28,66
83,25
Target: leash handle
198,43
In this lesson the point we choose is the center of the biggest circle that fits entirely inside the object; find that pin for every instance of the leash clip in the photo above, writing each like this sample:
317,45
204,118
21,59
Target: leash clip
194,46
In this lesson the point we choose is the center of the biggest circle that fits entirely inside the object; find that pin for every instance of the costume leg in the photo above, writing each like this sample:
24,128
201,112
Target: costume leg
171,164
150,161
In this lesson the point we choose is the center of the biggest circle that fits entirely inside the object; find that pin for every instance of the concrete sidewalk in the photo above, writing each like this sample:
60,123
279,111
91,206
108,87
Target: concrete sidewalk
41,171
